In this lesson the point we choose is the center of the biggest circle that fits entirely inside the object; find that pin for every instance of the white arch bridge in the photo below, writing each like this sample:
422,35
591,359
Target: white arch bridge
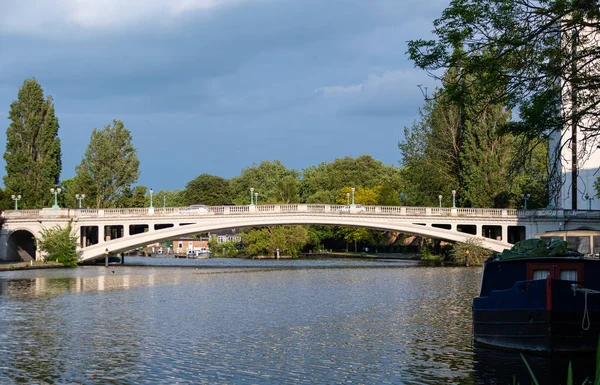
120,230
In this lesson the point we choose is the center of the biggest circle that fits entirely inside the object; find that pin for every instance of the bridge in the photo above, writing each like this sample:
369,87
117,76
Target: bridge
120,230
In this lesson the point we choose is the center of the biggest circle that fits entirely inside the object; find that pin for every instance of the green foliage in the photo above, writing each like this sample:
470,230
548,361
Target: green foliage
138,196
209,190
457,145
264,241
110,166
174,198
318,234
362,196
358,235
328,179
33,155
286,190
225,249
430,155
387,196
60,244
541,57
474,249
264,178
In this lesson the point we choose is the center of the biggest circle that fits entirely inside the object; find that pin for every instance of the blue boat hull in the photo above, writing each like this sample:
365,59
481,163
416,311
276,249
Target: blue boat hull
536,330
544,315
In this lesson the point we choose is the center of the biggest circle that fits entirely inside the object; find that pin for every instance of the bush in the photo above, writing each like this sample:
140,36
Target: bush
472,247
60,244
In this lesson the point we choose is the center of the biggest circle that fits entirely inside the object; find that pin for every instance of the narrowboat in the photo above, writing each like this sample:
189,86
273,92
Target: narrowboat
538,296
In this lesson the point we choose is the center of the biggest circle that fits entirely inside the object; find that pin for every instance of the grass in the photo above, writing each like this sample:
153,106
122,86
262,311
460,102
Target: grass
569,371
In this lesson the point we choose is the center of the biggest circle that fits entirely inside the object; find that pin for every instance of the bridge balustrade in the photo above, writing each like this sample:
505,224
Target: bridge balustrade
301,208
397,210
318,208
415,211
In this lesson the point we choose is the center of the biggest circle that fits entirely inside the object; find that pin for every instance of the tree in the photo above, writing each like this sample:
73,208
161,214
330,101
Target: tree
458,145
286,190
430,153
33,156
387,196
263,178
209,190
60,244
539,56
171,198
328,179
362,196
110,165
224,249
138,196
470,252
264,241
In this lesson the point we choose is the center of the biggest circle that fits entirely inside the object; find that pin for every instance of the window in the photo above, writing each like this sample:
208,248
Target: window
180,245
568,275
540,274
566,271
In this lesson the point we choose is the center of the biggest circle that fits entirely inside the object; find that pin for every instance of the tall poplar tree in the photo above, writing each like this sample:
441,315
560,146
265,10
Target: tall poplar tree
458,145
33,155
110,166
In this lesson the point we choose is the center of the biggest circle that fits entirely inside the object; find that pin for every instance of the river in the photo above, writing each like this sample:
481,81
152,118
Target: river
235,321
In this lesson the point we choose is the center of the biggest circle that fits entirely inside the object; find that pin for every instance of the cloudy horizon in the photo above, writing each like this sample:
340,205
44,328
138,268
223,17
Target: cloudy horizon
215,86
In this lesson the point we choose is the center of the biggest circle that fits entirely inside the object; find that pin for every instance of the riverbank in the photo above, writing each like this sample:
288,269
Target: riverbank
8,266
409,256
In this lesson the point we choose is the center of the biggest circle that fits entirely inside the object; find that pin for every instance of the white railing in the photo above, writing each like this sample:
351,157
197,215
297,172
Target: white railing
283,209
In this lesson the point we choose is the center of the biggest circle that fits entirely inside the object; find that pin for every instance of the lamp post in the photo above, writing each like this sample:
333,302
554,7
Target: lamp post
55,191
453,199
353,189
347,198
151,193
587,197
251,196
16,199
164,201
79,198
106,258
440,198
256,198
525,197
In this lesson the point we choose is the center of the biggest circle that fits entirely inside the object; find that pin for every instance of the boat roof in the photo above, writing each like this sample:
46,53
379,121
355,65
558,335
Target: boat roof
567,258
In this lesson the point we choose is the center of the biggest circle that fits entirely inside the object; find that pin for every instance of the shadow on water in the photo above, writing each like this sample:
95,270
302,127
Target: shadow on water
494,366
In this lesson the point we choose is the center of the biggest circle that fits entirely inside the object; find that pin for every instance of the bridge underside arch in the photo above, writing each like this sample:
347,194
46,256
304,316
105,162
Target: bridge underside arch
205,225
20,246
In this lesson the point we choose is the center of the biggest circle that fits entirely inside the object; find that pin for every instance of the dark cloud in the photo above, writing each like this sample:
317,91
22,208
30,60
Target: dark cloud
250,67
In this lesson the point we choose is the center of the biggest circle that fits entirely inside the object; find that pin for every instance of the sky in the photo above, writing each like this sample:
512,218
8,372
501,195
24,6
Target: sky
216,86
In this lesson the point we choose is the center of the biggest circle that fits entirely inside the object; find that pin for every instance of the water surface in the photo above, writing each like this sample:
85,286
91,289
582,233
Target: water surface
229,321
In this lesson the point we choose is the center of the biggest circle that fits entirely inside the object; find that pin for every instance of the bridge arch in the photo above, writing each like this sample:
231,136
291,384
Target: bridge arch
21,246
221,223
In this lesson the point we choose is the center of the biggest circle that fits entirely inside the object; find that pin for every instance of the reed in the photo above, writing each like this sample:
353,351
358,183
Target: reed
569,371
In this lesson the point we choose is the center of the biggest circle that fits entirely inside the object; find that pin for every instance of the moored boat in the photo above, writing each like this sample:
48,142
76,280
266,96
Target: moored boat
539,297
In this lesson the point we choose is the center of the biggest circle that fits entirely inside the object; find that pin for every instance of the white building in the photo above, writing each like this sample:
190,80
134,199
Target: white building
587,144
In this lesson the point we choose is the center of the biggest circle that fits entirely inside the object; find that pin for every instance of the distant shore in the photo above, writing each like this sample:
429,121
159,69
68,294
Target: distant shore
8,266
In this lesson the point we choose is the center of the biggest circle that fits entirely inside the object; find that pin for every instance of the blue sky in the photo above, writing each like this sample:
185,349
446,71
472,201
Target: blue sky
214,86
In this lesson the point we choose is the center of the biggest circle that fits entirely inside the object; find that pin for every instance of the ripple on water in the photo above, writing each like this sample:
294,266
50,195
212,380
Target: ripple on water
234,325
